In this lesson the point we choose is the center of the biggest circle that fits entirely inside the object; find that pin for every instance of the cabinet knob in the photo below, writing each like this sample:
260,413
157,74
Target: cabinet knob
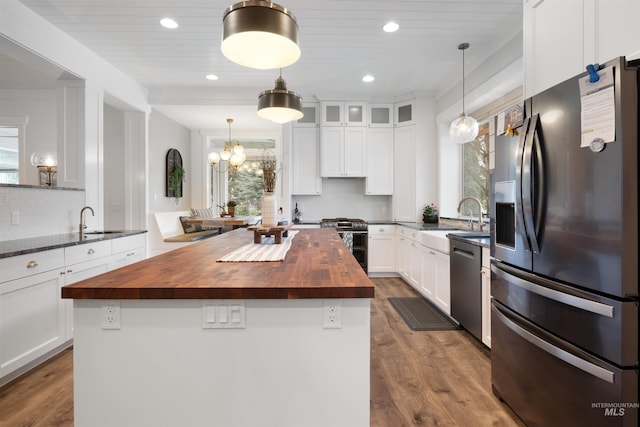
32,264
91,251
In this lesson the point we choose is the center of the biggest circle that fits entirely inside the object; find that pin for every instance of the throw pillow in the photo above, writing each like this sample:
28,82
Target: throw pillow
190,227
203,213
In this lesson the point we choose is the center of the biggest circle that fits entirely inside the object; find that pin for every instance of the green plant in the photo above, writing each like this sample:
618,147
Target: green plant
430,209
176,178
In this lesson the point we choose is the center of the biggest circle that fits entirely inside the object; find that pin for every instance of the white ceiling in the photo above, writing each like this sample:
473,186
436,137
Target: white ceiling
341,41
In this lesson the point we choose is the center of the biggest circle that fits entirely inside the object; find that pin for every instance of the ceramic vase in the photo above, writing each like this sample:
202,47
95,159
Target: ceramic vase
269,209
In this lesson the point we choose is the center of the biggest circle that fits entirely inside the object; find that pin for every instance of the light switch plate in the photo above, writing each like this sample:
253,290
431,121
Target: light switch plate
223,314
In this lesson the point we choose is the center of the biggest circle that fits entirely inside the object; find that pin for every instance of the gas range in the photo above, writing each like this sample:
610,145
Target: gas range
354,234
344,224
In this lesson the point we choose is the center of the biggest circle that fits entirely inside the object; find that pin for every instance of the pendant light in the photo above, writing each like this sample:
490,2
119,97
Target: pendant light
260,34
279,104
233,154
465,128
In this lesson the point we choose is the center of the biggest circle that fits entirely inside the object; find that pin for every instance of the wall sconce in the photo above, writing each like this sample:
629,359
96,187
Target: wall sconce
260,34
234,155
279,104
47,165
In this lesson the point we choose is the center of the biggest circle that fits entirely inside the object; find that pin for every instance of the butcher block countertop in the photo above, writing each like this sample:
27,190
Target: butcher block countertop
318,265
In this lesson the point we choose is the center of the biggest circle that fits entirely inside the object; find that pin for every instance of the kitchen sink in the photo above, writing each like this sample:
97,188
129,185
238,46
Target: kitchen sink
103,232
470,234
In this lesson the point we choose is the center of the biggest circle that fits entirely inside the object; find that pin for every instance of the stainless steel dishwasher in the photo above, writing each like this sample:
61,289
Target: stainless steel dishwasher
466,285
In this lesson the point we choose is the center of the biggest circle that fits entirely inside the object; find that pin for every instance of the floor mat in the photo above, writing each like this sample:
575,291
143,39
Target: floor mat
420,315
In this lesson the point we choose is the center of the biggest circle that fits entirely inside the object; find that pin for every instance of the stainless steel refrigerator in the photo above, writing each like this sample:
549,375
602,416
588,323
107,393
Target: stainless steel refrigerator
564,246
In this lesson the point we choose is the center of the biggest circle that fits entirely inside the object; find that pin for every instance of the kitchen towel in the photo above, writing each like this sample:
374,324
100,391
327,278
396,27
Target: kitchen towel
265,251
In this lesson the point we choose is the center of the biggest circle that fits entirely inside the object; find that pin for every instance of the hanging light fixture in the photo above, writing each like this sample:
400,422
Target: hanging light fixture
279,104
232,154
260,34
464,128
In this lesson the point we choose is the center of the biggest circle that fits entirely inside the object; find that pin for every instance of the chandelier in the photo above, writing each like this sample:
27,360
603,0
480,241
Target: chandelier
232,155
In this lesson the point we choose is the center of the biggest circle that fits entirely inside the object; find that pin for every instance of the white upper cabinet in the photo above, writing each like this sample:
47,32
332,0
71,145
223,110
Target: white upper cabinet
305,167
344,152
379,161
344,113
562,37
380,115
311,116
404,113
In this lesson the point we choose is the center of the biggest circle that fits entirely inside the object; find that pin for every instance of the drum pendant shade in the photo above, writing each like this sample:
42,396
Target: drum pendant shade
260,34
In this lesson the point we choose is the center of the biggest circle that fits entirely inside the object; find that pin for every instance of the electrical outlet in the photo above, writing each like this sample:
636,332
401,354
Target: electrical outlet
111,315
332,314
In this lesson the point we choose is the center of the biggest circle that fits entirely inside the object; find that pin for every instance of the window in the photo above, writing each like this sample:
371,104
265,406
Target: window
9,150
245,187
475,171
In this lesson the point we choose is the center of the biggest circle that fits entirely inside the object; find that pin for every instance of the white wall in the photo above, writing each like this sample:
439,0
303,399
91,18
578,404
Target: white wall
342,197
42,211
165,134
39,107
114,170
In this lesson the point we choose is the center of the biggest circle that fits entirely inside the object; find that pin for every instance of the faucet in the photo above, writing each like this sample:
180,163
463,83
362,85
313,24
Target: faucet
82,224
480,223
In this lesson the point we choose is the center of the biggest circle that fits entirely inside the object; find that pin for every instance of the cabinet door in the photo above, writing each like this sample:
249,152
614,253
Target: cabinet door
443,282
380,115
311,113
355,152
404,170
486,306
402,256
332,147
305,166
381,253
415,265
404,113
553,43
32,319
355,113
379,161
333,113
616,33
428,261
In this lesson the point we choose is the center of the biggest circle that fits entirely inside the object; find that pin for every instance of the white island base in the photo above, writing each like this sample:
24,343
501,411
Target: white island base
162,368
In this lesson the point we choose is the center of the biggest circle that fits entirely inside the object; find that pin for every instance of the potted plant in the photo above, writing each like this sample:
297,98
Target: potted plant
176,177
430,213
231,208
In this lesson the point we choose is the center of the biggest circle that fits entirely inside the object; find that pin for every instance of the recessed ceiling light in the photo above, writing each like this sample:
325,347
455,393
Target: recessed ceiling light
169,23
211,77
368,78
390,27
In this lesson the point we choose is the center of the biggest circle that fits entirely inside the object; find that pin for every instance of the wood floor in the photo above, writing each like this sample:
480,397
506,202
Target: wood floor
438,378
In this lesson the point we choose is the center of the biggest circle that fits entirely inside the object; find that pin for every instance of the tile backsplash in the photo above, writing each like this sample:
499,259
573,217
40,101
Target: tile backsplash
39,211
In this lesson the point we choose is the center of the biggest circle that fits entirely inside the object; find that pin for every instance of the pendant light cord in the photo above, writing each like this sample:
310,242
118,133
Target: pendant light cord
462,80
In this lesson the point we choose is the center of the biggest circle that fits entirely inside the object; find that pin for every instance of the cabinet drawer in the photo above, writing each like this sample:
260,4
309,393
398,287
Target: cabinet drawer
128,243
382,229
28,264
408,233
87,252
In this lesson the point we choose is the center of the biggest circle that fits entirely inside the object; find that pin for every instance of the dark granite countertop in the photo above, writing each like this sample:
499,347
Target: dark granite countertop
484,242
9,248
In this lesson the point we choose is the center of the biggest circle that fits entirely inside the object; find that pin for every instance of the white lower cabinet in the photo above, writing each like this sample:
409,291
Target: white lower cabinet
486,297
435,283
424,268
34,319
127,250
381,251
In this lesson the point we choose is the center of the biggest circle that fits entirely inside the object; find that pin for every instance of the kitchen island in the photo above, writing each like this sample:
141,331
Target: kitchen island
181,339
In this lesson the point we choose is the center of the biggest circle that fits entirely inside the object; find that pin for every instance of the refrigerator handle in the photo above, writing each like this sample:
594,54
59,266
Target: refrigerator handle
524,131
527,186
540,193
